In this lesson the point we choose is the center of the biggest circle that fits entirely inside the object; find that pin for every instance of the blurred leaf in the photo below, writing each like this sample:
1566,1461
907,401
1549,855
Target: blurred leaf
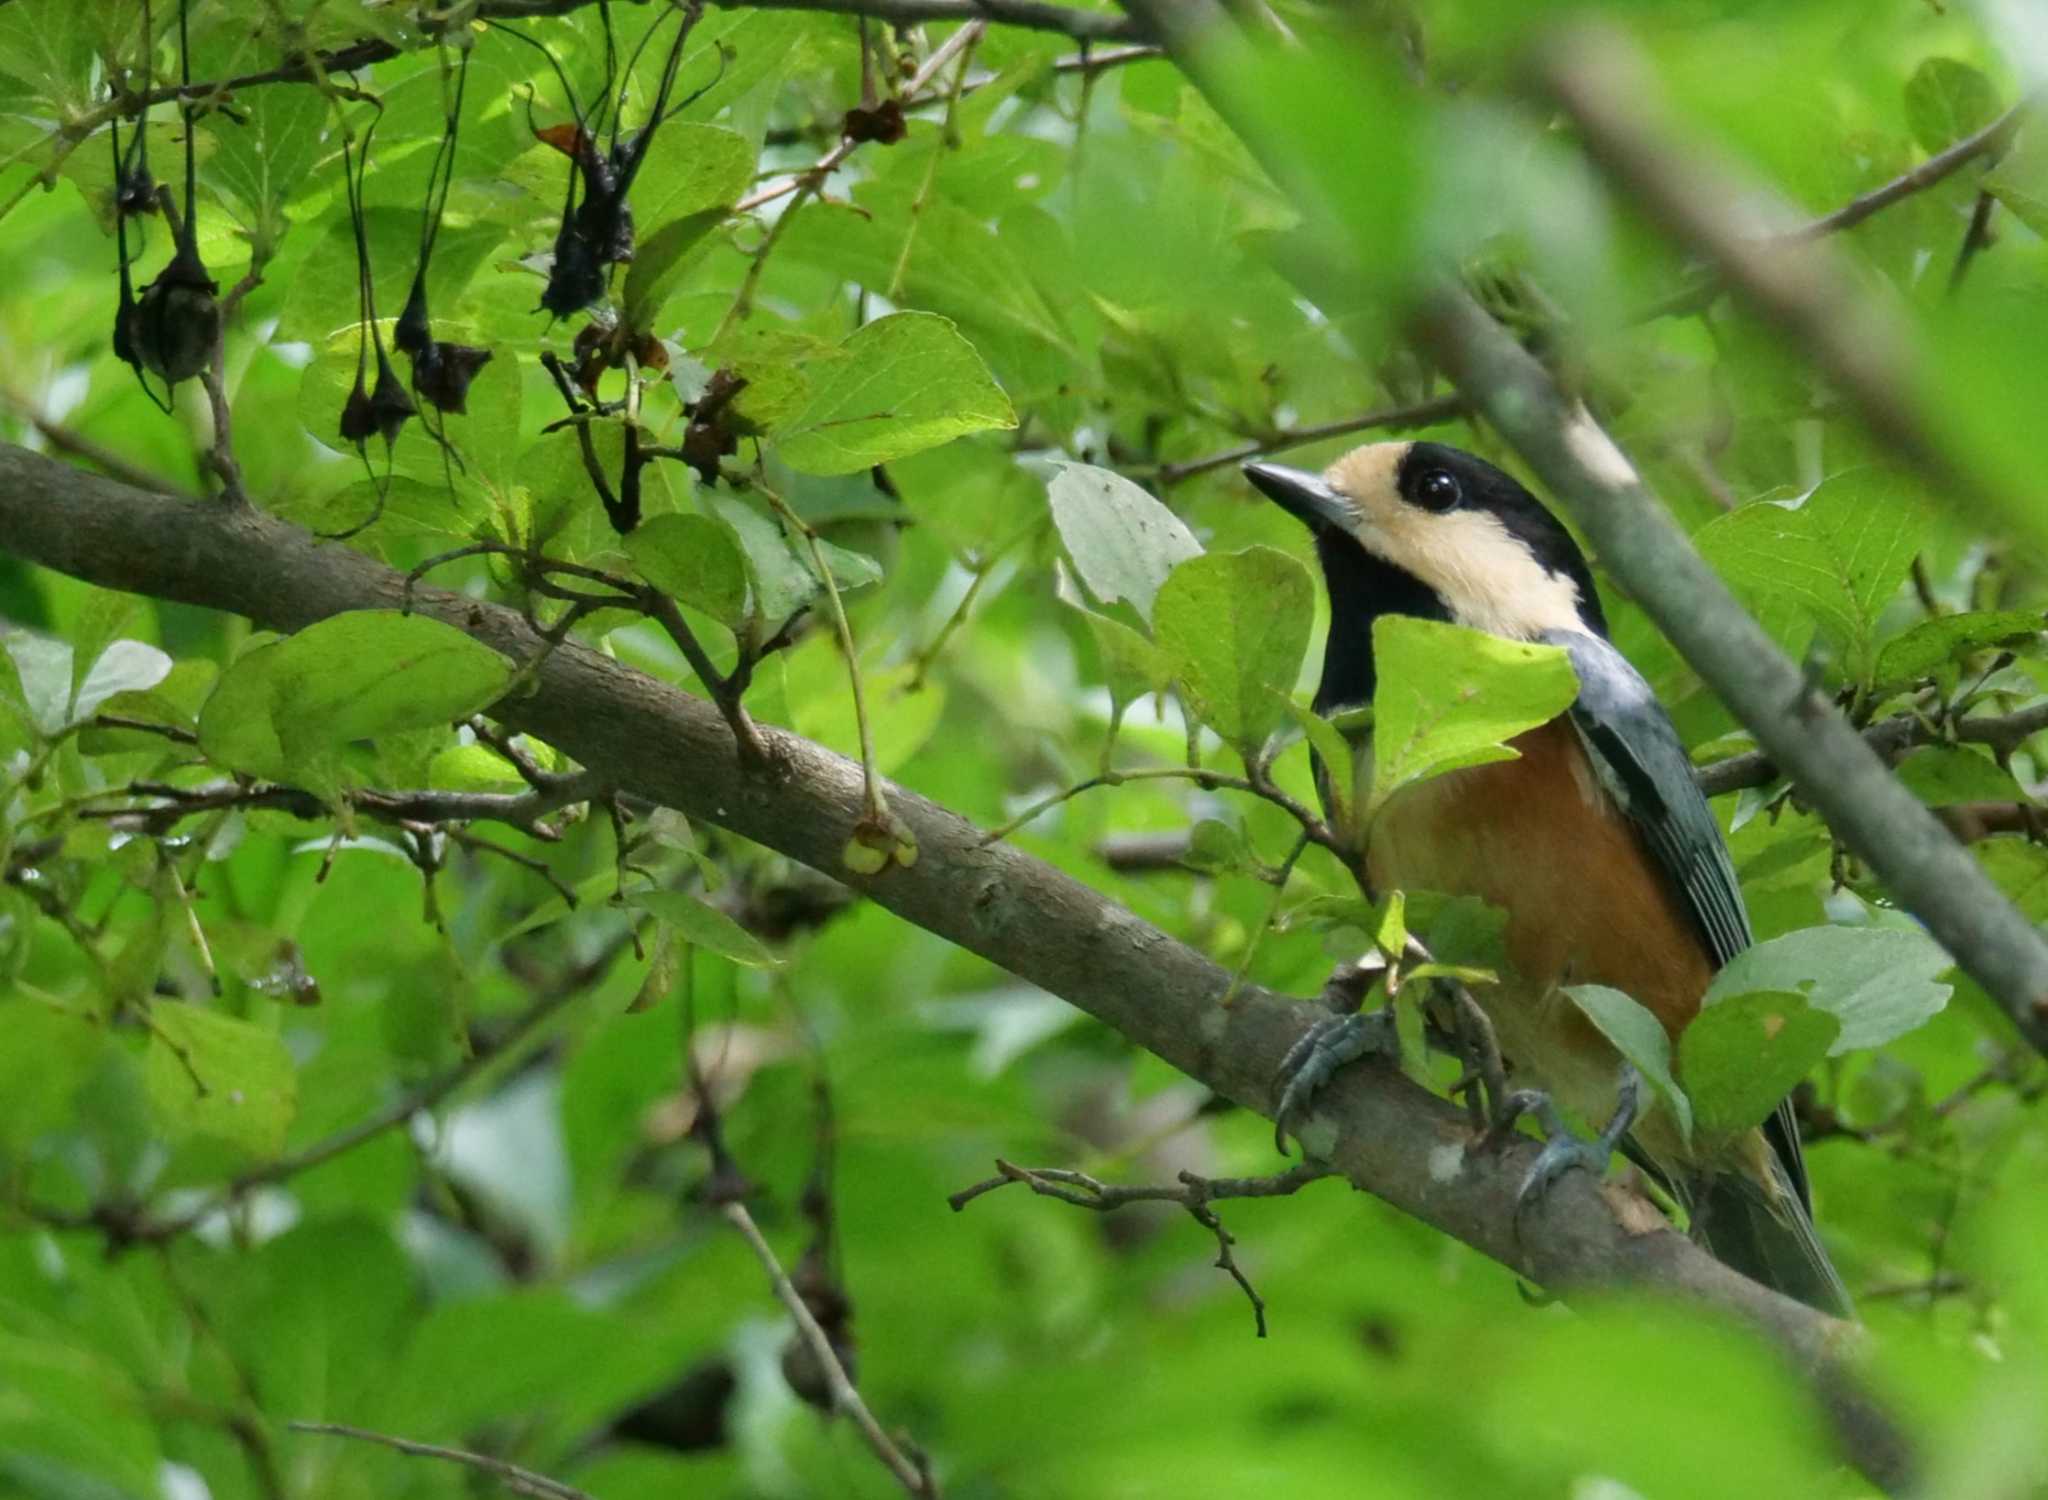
1641,1039
1933,644
210,1074
712,930
1947,100
1230,626
1944,775
1744,1052
1878,982
1449,697
1121,541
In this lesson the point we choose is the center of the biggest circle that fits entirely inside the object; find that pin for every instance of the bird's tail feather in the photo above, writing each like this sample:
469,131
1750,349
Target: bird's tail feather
1766,1233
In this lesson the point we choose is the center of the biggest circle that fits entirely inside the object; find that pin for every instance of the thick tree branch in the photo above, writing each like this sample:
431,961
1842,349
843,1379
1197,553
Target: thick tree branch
1386,1134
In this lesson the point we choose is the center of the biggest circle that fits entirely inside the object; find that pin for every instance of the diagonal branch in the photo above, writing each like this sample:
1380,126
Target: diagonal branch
1384,1133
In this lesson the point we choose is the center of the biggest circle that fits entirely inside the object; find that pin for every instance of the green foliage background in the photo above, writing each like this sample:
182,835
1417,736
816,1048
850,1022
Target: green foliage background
1047,269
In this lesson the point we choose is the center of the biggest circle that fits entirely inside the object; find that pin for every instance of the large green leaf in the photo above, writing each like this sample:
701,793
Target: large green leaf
1232,626
1121,541
1838,555
905,383
1878,982
285,710
1746,1051
1449,697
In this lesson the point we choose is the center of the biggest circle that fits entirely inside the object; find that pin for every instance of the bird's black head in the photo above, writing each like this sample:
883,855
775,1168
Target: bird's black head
1422,529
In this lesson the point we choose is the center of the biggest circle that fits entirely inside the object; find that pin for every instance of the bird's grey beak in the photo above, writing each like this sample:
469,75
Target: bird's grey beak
1302,495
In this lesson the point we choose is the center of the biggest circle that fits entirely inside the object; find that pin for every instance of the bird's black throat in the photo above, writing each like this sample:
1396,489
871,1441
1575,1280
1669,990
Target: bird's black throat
1362,587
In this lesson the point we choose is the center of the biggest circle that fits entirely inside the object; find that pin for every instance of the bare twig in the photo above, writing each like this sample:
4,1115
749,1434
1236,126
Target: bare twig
68,440
1191,1192
524,1481
915,1478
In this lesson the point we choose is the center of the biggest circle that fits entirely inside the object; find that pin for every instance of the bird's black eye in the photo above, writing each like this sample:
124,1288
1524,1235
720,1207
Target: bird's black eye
1438,490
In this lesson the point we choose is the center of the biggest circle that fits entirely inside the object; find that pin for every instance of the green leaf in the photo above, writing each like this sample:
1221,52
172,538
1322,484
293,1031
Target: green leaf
283,710
1131,665
782,582
696,561
375,671
261,156
713,930
1121,541
235,727
1947,100
1333,750
2020,180
1933,644
660,261
1838,555
2019,868
905,383
473,768
1944,775
210,1074
1878,982
1746,1051
1641,1039
1232,626
1449,697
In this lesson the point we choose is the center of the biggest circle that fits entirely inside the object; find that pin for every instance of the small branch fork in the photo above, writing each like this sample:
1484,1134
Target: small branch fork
1191,1192
541,575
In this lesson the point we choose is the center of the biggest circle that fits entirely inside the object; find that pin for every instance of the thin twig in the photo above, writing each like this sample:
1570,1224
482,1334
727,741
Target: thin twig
1191,1192
1991,140
525,1481
915,1479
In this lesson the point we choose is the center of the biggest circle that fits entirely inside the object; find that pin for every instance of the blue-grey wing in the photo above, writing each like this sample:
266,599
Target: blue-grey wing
1642,763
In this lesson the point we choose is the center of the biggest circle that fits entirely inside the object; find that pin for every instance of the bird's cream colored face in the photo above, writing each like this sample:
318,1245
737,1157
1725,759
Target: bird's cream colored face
1486,576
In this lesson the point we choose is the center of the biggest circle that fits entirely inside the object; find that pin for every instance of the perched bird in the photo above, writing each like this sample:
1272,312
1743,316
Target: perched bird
1596,842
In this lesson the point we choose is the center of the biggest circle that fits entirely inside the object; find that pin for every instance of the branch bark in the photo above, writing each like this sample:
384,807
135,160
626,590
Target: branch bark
1385,1134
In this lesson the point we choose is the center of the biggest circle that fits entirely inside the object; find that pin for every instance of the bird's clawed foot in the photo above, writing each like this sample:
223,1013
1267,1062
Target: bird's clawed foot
1562,1148
1331,1044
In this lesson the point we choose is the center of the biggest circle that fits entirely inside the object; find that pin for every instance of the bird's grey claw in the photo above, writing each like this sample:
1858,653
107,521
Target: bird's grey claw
1562,1148
1324,1048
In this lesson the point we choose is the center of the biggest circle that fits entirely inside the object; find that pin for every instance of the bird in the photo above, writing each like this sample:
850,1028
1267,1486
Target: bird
1595,841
